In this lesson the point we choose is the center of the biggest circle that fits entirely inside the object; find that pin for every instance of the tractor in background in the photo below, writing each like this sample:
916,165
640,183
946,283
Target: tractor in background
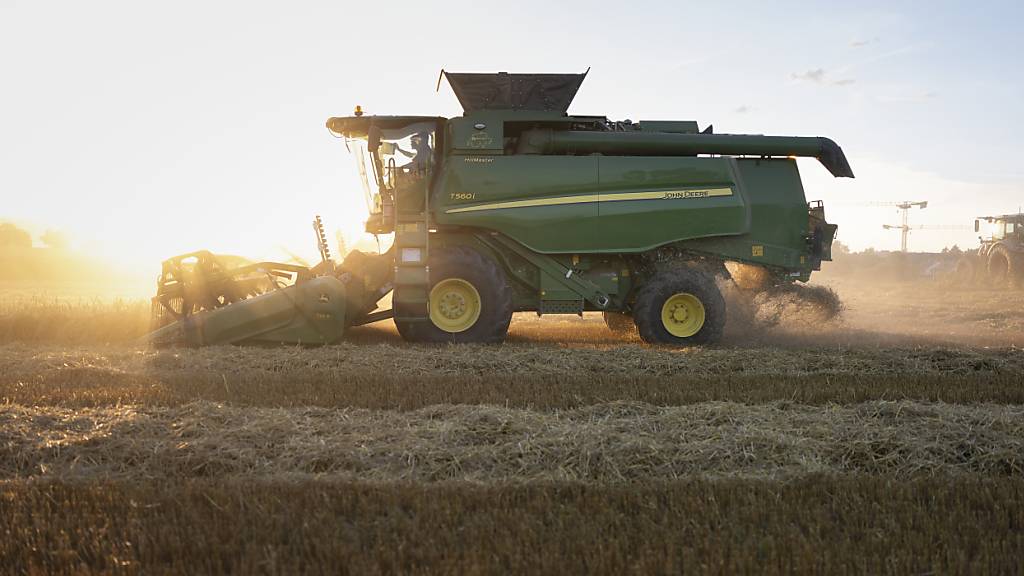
999,261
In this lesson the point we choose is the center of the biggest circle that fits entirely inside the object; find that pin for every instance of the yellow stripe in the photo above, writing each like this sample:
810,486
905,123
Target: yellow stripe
587,198
528,203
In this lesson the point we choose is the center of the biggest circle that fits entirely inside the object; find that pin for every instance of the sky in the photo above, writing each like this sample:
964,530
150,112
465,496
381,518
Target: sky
145,129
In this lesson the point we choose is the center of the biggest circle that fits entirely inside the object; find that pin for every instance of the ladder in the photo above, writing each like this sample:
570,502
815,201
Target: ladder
411,298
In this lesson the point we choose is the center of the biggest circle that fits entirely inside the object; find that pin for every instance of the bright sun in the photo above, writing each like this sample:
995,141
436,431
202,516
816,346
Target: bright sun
276,228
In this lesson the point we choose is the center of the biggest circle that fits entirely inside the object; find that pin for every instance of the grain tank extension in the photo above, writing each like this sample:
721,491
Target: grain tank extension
519,206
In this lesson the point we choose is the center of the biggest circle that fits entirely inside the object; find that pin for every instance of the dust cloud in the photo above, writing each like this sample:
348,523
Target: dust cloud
832,312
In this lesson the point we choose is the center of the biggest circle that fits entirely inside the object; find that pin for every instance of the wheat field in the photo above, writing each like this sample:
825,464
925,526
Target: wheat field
890,440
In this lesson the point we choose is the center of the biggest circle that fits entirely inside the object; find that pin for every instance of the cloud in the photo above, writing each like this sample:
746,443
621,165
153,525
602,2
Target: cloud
820,76
862,42
817,76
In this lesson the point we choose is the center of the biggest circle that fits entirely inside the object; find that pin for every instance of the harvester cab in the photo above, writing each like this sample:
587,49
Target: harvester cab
519,206
396,158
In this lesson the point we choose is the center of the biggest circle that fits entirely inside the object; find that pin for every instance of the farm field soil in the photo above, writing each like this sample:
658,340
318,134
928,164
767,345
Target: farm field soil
819,525
890,440
526,376
876,314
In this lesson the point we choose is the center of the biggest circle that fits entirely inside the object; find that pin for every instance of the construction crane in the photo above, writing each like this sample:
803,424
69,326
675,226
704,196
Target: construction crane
905,230
904,207
934,227
904,226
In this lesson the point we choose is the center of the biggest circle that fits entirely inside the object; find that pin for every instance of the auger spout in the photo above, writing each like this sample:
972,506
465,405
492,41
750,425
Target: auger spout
546,141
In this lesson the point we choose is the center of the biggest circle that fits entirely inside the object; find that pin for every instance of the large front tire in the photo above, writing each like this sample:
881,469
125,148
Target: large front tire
682,307
470,300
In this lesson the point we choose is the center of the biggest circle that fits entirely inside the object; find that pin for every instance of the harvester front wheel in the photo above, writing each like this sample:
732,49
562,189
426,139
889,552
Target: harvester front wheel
470,300
682,307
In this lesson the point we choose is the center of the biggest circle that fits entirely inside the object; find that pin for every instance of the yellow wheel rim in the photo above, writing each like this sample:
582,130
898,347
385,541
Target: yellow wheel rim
683,315
454,305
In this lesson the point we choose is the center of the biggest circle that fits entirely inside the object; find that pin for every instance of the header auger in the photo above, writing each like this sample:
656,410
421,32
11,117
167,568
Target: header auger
519,206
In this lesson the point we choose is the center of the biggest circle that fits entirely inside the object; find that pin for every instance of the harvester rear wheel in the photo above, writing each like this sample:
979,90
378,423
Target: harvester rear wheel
470,300
682,307
619,322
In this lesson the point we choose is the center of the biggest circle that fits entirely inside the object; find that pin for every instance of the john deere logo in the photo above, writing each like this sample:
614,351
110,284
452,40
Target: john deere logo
687,194
479,140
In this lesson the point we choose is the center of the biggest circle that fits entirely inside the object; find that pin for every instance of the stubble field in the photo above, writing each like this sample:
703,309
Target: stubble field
891,440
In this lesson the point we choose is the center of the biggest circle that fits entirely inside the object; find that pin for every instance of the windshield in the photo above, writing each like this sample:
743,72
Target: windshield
367,174
997,230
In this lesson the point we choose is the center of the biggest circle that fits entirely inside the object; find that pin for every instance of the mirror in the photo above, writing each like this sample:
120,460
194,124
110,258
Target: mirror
387,148
977,226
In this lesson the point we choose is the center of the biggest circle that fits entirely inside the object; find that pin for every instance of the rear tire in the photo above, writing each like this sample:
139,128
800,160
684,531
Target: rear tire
471,300
682,307
619,322
1004,267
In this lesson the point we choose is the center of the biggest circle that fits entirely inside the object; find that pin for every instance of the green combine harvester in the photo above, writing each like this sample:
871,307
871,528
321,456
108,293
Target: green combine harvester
517,206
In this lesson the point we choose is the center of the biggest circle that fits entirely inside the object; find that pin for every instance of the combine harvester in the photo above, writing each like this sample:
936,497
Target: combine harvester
518,206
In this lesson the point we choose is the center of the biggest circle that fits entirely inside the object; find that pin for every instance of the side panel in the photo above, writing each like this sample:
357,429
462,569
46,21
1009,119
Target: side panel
548,203
747,209
646,202
778,207
779,218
